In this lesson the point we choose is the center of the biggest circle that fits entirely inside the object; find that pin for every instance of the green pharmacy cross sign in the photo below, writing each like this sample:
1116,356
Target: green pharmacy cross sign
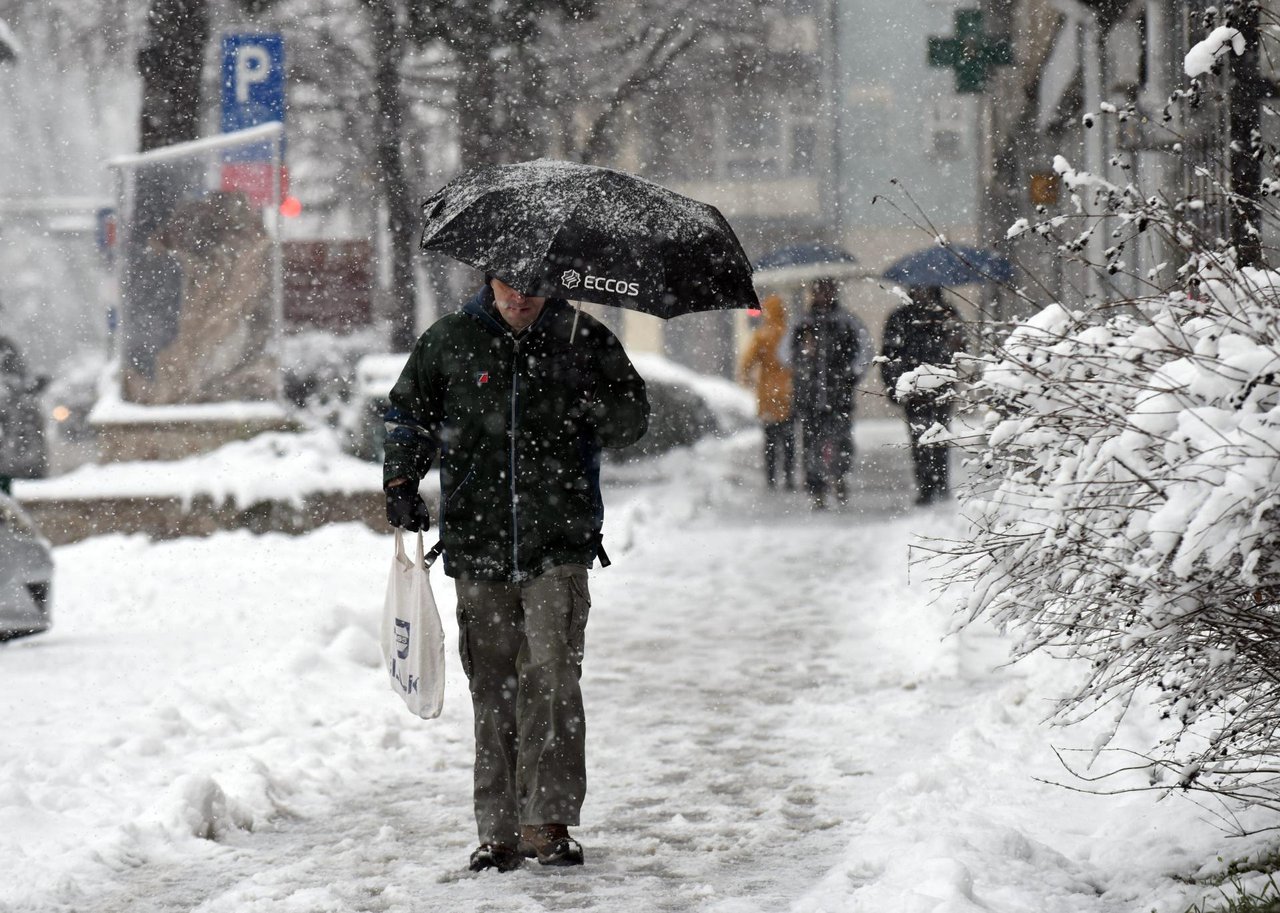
971,53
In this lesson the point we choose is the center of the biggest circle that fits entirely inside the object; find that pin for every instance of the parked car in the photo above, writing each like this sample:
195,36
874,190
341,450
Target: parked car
26,573
685,406
23,450
375,376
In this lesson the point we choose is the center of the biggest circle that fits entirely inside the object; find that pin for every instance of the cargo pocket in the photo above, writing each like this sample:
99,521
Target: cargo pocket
464,643
579,609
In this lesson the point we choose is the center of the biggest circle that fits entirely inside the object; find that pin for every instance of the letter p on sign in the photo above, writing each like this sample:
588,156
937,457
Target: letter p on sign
252,80
253,65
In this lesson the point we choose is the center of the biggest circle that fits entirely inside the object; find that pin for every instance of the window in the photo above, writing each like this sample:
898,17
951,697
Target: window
753,150
804,147
792,33
776,139
946,125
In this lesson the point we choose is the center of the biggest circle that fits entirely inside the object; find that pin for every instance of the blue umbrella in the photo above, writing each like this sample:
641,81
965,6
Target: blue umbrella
955,264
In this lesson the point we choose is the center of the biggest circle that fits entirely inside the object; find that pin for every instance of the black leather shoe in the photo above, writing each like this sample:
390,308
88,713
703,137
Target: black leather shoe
495,856
550,844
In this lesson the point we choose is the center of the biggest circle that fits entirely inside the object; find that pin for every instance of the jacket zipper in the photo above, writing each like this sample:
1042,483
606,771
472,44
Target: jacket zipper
515,497
457,488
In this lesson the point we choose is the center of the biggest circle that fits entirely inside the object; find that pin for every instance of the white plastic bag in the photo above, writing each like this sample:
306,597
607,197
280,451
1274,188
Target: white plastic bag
412,638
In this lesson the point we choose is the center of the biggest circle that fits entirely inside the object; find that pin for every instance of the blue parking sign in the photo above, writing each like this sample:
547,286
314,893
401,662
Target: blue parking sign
252,84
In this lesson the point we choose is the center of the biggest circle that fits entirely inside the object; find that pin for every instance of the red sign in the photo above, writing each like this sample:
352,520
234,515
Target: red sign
254,180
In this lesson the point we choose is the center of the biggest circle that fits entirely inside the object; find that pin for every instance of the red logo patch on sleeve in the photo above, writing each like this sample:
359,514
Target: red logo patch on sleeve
483,378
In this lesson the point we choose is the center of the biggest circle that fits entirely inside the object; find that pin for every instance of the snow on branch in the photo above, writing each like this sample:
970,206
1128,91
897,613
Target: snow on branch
1124,507
1127,510
1201,58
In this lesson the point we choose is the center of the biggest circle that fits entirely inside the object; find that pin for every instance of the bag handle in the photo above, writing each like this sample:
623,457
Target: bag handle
424,560
402,557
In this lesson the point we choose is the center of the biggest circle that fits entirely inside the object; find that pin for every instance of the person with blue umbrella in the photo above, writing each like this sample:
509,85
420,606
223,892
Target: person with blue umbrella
924,331
927,331
948,265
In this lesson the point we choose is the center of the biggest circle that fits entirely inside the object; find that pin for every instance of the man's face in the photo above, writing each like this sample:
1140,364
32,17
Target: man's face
517,309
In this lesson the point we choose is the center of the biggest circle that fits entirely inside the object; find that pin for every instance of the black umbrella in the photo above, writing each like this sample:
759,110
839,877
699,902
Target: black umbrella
566,230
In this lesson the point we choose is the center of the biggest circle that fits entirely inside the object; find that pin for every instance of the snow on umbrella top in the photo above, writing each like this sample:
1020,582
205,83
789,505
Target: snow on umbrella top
954,264
805,263
576,231
10,50
805,255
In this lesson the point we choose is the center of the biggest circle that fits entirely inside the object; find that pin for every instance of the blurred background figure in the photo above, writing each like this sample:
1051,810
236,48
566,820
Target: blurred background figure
22,443
765,365
927,331
830,351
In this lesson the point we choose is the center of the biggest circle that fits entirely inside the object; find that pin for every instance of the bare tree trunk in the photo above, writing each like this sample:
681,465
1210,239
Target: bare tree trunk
388,46
477,139
1245,154
171,65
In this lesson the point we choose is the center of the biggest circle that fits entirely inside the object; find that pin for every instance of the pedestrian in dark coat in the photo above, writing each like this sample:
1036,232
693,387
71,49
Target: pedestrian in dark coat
830,349
517,395
925,332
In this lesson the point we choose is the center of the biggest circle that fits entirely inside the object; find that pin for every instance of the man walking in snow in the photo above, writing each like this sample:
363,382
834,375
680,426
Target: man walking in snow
517,394
830,351
927,331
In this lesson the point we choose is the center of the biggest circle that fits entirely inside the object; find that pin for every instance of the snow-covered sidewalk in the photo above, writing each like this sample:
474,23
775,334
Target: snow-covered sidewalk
775,722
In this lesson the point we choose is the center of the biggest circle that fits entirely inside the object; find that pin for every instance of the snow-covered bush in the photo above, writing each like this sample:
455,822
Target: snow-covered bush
1125,498
1127,511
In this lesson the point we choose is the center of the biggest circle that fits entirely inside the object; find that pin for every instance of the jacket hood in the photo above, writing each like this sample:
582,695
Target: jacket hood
481,306
775,315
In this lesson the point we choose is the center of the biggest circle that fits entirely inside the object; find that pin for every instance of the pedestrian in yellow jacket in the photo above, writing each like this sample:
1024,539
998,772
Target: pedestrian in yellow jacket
765,366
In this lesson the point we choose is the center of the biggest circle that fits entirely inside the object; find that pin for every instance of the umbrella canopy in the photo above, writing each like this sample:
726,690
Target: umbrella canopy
804,255
10,50
804,263
955,264
591,234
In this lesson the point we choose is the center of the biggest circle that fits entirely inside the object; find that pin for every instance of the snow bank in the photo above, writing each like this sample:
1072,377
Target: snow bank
189,690
277,466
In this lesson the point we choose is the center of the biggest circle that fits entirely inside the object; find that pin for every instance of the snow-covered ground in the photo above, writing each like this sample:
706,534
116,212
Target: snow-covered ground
777,721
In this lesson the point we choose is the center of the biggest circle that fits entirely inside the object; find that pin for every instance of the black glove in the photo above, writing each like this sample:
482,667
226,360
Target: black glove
406,510
575,373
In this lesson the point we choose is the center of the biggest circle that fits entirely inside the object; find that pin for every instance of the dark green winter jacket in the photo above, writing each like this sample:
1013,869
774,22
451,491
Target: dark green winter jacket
518,422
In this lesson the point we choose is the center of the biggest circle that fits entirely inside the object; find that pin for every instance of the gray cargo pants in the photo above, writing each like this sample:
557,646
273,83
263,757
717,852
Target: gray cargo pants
522,646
